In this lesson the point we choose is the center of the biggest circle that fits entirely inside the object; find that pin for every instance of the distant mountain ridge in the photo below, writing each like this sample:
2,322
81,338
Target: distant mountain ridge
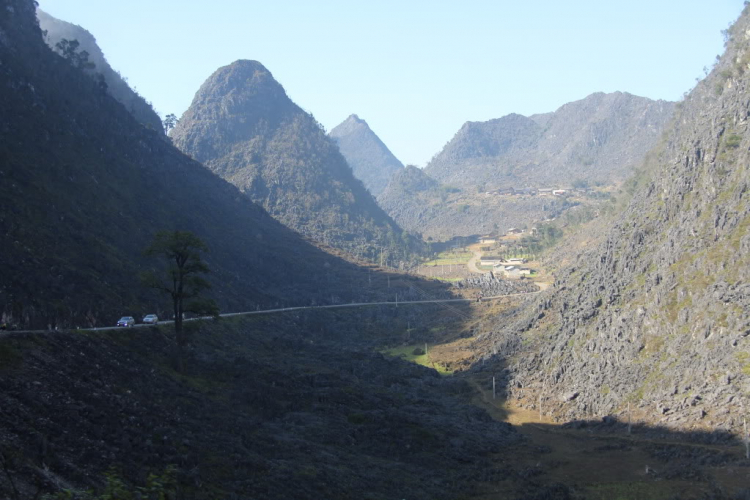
371,160
57,30
601,138
243,127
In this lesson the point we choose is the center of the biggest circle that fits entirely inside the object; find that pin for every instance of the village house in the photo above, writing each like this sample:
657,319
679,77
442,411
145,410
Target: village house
514,230
545,191
559,192
490,260
488,238
512,272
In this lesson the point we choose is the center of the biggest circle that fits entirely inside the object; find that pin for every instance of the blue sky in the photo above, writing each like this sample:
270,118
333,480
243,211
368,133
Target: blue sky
414,70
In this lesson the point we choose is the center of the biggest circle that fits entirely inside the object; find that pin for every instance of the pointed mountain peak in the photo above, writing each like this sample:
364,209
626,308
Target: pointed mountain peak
371,160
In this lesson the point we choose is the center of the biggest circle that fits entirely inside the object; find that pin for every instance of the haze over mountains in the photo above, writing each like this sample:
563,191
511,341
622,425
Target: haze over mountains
601,138
243,127
647,315
371,160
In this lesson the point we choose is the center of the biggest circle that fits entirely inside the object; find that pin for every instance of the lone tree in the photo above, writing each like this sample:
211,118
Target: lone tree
181,279
169,122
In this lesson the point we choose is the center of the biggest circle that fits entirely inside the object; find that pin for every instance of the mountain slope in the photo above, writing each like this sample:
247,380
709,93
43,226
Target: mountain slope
656,317
57,30
600,139
371,160
243,127
422,205
84,187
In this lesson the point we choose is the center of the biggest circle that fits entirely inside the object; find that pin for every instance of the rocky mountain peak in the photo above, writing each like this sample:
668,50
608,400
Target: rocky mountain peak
370,159
244,127
601,137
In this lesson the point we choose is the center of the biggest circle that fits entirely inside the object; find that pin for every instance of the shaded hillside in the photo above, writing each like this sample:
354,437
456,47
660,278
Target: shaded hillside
420,204
84,187
264,412
371,160
601,138
657,315
117,87
243,127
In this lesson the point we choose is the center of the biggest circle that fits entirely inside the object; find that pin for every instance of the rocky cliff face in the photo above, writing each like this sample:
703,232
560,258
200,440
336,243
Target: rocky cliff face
371,160
58,30
656,317
243,127
598,139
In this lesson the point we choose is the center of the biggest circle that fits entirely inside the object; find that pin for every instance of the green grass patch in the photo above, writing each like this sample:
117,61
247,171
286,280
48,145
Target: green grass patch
415,354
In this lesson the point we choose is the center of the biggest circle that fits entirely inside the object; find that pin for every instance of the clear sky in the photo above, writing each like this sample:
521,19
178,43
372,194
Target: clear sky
414,70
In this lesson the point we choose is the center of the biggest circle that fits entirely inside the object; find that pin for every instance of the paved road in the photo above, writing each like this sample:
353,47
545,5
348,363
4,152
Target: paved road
289,309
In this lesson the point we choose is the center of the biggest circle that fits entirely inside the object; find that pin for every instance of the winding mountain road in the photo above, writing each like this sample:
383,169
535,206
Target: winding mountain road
288,309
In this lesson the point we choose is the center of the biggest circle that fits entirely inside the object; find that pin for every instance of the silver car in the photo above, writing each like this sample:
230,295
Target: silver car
151,319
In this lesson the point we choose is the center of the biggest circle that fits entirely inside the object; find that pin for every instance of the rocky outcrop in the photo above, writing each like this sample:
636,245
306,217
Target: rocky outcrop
56,30
371,160
243,127
601,138
490,285
655,318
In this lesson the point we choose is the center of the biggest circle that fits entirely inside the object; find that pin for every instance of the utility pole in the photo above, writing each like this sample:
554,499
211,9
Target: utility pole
493,387
629,423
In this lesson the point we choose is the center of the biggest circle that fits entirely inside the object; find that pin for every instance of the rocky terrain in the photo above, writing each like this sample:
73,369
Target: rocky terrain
420,204
57,30
490,285
371,160
653,322
244,128
264,411
599,139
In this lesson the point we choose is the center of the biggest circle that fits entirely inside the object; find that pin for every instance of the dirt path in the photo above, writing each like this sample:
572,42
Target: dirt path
472,264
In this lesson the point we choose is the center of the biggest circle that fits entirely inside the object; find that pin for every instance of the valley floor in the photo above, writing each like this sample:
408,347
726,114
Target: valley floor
596,459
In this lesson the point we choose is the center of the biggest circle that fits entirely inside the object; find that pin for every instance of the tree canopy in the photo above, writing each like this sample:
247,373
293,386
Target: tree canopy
181,279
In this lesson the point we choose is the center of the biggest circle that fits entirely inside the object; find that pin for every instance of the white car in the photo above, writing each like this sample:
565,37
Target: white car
150,319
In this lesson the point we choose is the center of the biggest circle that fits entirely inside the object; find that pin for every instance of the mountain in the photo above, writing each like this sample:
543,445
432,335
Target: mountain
57,30
371,161
420,204
601,138
244,128
84,187
655,319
